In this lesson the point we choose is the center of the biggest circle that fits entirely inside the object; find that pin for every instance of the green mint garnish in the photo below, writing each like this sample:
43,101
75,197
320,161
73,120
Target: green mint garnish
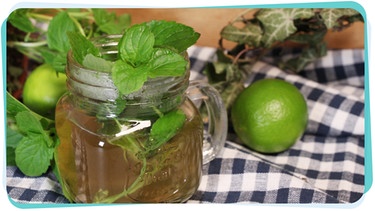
165,128
31,138
148,50
165,62
127,78
174,35
156,49
136,45
81,46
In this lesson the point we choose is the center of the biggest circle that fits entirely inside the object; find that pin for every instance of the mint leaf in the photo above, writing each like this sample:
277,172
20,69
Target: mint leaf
111,28
59,62
13,138
128,78
57,32
96,63
81,46
136,45
103,16
21,21
173,35
33,156
27,123
123,21
11,156
166,62
14,106
165,128
34,152
109,23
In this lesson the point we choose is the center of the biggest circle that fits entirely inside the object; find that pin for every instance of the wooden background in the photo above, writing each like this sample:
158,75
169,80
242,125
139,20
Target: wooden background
210,21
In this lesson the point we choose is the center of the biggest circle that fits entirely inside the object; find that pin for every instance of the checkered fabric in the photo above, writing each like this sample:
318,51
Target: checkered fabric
325,166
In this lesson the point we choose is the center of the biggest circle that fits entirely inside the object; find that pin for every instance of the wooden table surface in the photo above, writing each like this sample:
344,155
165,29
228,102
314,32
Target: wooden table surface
210,21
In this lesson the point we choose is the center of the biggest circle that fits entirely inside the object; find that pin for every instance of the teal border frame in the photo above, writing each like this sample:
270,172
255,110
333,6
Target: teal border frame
342,4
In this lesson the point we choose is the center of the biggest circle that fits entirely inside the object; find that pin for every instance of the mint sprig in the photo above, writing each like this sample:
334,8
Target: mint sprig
172,34
136,45
165,128
155,48
128,78
77,39
145,51
148,50
31,139
51,45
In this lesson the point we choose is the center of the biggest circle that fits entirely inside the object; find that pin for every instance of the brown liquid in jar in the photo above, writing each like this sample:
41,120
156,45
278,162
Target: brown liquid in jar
98,168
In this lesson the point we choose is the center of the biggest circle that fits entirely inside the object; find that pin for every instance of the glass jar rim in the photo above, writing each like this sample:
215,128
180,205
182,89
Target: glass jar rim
91,78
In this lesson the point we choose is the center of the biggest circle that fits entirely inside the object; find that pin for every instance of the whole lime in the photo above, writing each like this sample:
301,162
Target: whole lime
42,89
269,115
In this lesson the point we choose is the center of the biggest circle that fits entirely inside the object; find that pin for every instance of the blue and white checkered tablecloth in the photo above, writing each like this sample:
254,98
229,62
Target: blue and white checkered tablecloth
325,166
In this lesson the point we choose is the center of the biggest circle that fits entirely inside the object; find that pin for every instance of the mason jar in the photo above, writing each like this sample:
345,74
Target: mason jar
106,152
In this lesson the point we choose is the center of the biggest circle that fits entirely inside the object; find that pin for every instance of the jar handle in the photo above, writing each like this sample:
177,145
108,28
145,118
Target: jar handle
215,120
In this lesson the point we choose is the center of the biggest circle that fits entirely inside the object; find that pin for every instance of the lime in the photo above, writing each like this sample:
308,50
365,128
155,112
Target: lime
269,115
42,89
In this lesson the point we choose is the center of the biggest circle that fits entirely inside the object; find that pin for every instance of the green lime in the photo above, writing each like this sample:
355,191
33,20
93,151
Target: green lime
269,115
42,89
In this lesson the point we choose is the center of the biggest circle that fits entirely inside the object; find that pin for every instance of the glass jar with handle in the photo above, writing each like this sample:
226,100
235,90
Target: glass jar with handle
147,146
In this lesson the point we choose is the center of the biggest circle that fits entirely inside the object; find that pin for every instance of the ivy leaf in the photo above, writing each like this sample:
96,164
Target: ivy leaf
278,24
166,62
330,16
58,27
307,56
308,38
127,78
229,91
165,128
227,79
136,45
250,34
